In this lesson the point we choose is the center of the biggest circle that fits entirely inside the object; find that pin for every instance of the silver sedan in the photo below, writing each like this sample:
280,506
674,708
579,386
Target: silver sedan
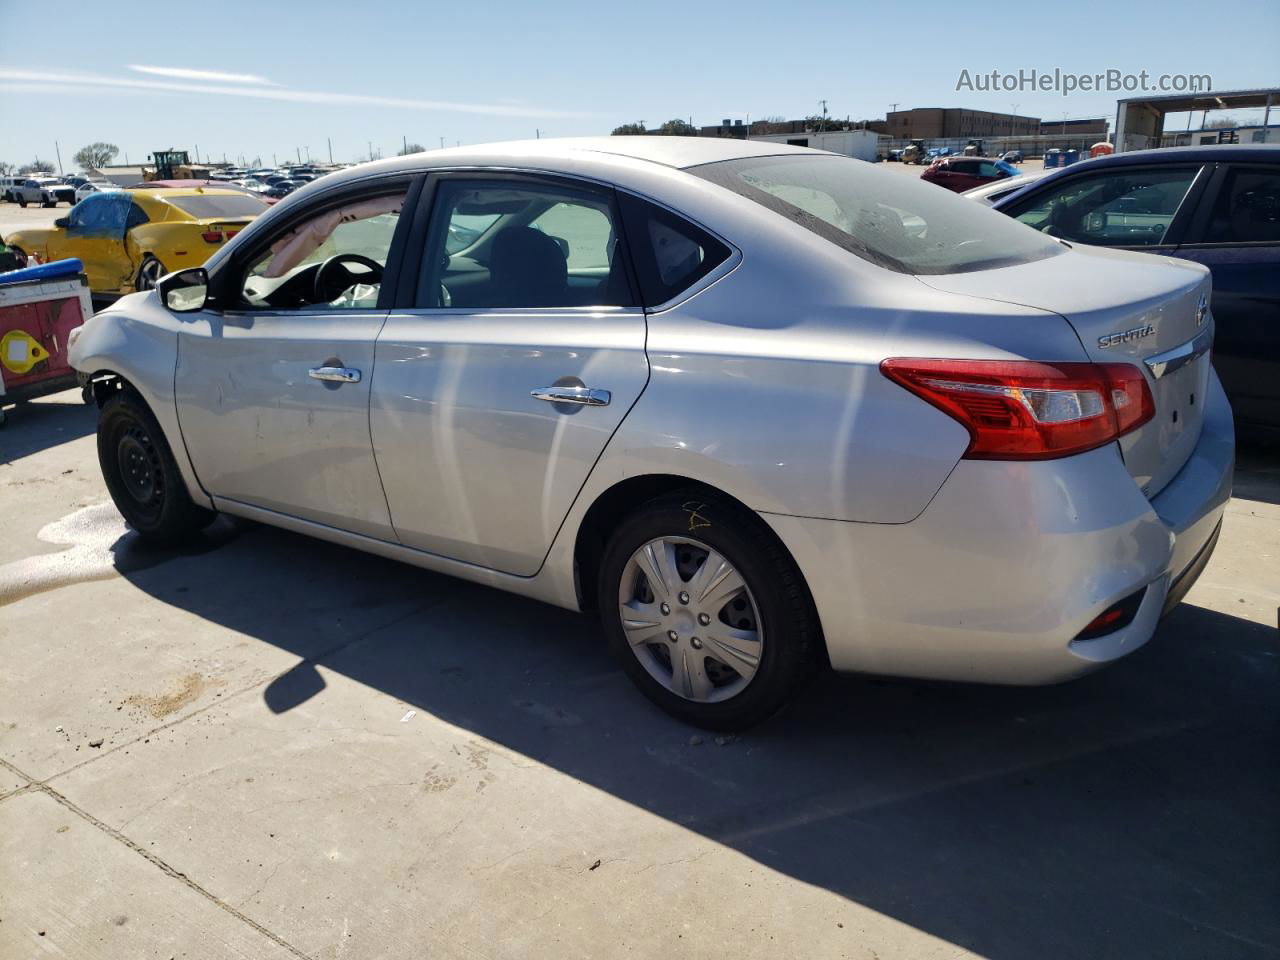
762,409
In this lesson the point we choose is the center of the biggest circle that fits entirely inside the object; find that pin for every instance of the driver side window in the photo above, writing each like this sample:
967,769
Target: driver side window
1120,208
334,260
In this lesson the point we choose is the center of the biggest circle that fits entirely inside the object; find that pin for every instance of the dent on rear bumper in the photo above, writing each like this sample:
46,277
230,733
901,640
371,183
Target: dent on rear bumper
1010,562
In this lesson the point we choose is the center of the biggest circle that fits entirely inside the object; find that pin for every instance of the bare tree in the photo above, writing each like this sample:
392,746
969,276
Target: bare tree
411,148
35,166
95,155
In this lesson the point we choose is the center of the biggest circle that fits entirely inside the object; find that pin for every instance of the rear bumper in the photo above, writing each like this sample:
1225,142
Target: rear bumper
1010,562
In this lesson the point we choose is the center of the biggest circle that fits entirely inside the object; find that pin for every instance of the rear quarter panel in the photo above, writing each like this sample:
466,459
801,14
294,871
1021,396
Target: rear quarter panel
177,244
767,383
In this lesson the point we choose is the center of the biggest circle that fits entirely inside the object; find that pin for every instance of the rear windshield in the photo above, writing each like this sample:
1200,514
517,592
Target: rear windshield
206,206
894,220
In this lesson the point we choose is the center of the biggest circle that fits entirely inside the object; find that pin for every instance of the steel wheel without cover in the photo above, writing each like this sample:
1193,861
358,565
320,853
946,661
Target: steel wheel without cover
141,471
690,619
149,273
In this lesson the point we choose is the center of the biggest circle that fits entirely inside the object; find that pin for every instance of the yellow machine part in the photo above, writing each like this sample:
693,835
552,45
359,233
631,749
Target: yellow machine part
20,351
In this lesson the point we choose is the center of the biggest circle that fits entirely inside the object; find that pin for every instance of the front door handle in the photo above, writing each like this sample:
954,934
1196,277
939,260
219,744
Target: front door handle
335,374
583,395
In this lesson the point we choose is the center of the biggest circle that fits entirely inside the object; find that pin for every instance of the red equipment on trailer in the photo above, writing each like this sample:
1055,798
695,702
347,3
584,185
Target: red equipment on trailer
39,307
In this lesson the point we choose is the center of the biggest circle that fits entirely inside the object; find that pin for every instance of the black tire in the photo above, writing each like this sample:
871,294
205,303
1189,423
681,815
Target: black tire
22,203
45,204
141,475
20,254
792,636
149,271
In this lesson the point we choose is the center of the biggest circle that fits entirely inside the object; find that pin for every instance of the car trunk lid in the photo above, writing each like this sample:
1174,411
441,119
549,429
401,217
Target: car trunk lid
1130,308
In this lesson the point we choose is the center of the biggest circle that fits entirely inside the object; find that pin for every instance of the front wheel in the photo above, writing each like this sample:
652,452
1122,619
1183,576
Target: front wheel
710,616
149,273
22,202
141,474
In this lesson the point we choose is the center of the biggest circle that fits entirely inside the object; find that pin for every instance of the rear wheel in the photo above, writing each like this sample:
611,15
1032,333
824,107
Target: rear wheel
149,273
710,616
141,474
22,202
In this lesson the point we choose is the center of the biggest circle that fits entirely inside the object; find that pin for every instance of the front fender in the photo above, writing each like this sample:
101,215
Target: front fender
137,340
29,241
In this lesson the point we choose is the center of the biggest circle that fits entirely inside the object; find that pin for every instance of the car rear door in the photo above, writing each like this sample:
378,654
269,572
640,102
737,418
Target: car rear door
1236,234
518,352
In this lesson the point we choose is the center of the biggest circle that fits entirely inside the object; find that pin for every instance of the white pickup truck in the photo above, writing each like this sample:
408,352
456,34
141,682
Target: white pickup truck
46,191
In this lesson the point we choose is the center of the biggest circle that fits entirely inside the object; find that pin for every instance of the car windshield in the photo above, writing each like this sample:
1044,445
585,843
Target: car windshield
206,205
897,222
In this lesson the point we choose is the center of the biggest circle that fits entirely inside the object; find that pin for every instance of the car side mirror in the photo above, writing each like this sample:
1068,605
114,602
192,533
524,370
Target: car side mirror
185,291
62,223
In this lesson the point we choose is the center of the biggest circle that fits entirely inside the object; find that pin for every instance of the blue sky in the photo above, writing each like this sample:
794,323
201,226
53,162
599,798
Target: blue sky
254,80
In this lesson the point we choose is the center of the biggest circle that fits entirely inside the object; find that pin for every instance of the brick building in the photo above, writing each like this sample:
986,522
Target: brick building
936,123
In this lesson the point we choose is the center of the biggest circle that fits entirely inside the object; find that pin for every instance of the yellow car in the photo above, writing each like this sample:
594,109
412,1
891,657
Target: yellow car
128,239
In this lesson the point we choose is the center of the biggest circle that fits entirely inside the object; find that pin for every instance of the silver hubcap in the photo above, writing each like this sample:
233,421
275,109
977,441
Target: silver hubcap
149,273
690,619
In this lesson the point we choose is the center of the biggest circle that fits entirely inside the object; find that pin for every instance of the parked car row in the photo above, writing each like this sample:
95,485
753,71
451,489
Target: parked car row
44,190
759,408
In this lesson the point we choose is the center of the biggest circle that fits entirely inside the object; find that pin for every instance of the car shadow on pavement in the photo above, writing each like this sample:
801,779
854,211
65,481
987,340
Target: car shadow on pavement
1128,814
1258,469
31,427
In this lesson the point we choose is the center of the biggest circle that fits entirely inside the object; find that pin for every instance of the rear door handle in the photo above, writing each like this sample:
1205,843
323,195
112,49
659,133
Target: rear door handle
586,396
335,374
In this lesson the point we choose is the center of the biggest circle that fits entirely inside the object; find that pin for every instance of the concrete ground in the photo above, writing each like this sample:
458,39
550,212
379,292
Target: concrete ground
265,746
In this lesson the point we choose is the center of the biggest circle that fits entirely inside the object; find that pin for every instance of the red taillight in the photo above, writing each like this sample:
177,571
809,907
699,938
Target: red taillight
212,236
1022,410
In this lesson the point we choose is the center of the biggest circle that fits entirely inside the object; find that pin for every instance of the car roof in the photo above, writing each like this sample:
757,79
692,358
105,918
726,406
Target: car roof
675,152
165,193
1215,153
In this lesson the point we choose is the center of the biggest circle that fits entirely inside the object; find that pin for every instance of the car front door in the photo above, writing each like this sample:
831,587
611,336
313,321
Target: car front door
1236,234
1137,208
95,234
498,389
274,376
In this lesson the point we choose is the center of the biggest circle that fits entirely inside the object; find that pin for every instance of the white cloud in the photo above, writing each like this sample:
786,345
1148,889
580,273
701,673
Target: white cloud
182,73
102,83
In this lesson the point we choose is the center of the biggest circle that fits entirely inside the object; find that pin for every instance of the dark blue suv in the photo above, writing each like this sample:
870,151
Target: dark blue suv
1219,206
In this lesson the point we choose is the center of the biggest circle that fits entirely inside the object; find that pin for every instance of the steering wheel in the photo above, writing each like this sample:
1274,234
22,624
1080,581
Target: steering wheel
333,276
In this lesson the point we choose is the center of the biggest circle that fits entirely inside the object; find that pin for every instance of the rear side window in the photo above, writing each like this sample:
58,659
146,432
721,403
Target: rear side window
670,253
899,223
1248,207
210,205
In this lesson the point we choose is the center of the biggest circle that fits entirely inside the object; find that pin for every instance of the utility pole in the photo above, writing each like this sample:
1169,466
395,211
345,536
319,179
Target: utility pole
537,134
824,114
404,143
330,143
370,142
58,151
442,143
197,153
298,152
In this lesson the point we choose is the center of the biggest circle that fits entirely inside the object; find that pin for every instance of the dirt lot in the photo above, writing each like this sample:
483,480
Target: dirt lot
265,746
